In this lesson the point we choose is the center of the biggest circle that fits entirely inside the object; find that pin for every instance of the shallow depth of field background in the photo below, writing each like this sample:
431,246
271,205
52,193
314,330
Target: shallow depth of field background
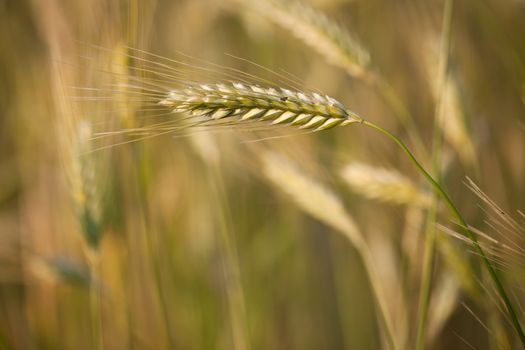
188,245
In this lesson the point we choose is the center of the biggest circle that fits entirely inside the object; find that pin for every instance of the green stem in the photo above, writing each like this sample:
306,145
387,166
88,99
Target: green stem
466,231
426,278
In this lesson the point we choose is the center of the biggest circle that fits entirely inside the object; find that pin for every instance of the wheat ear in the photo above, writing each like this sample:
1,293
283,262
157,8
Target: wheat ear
244,103
385,185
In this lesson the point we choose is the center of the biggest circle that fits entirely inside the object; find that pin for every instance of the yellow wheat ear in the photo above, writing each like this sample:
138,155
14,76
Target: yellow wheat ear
385,185
243,103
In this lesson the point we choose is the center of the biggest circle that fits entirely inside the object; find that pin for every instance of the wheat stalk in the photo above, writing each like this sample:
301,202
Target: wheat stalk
255,103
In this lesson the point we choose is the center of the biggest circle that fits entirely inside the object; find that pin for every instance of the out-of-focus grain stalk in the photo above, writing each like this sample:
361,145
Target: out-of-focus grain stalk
430,237
442,304
206,147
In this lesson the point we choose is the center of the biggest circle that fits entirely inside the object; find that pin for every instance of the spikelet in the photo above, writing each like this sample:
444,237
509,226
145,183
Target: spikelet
319,32
385,185
245,103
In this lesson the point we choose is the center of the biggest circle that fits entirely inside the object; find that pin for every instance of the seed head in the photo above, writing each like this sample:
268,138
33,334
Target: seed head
255,103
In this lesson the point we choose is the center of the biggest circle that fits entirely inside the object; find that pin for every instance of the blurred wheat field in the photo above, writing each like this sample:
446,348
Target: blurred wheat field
124,228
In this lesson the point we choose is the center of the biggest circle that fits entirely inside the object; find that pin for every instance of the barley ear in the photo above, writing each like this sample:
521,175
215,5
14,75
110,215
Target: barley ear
241,103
